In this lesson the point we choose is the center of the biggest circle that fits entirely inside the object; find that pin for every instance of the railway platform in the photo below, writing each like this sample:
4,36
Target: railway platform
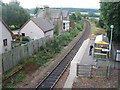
81,57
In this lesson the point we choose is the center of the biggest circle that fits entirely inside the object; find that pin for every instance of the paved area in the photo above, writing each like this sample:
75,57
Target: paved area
78,57
87,59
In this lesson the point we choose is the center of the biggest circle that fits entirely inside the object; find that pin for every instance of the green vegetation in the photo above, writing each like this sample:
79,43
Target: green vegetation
75,18
90,14
110,16
117,88
97,13
81,9
93,28
84,13
13,14
19,77
11,71
56,31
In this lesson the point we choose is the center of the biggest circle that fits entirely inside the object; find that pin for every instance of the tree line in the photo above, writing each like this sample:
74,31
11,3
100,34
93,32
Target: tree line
81,9
110,15
90,14
75,17
13,14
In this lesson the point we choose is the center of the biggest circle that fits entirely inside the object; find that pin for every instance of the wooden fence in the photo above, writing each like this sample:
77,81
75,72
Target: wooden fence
14,56
93,71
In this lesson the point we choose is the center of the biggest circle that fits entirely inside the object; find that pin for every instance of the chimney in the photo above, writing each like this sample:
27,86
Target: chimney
46,12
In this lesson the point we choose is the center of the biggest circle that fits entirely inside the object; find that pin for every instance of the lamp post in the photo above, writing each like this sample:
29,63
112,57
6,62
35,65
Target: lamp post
110,45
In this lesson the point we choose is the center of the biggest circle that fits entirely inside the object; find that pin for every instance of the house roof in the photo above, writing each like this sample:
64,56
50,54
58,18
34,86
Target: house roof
7,28
54,13
43,23
65,13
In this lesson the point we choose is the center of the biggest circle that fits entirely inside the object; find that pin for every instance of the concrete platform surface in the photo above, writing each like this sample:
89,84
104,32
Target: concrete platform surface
73,66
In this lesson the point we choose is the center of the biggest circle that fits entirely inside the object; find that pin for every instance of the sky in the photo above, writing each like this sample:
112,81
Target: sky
58,3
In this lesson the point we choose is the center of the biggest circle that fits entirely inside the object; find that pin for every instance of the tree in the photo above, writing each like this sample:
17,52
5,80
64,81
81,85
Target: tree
14,15
56,31
78,15
110,16
36,10
72,19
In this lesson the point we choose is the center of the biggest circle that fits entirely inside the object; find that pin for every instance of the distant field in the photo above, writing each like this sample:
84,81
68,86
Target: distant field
97,13
83,13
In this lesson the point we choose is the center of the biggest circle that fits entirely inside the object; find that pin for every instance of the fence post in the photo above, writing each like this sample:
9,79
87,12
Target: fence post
91,68
108,72
77,70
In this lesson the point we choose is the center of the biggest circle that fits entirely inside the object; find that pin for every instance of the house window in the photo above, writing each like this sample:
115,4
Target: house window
23,34
63,25
5,42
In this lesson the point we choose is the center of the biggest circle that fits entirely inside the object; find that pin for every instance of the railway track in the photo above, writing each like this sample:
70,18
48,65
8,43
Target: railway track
50,80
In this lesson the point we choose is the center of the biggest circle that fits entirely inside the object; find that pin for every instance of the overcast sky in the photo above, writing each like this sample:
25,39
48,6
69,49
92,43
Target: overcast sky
58,3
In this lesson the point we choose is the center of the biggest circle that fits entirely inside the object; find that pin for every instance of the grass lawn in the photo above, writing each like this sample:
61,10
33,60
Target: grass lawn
84,13
97,13
93,28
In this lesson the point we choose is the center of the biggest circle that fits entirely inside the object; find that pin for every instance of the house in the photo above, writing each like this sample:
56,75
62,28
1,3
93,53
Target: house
55,15
6,36
66,22
37,28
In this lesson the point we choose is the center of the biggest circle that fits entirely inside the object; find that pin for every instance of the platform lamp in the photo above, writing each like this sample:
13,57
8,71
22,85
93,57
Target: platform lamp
110,45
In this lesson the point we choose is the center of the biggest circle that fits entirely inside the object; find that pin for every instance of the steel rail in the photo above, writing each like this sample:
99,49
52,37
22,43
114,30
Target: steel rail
50,80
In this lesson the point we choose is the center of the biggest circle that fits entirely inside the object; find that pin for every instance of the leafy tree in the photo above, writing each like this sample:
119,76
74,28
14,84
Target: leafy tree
73,17
56,45
110,16
56,31
36,10
91,14
78,15
14,15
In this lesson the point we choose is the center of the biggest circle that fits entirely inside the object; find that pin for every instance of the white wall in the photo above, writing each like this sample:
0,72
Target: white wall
5,35
1,41
50,33
67,26
32,30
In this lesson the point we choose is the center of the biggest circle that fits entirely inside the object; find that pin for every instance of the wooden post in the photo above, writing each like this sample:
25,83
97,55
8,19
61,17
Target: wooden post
91,67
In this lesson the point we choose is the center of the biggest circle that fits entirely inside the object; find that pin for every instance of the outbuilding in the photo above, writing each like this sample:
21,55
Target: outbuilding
37,28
